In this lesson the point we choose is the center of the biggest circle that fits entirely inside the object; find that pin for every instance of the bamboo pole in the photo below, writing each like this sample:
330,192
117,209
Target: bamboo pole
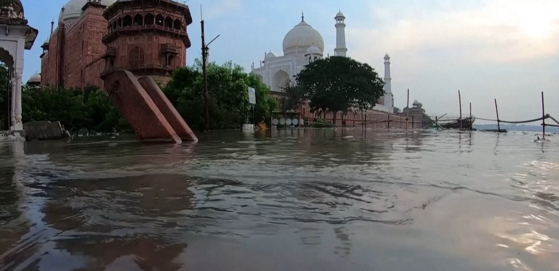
408,106
543,116
471,123
498,121
460,105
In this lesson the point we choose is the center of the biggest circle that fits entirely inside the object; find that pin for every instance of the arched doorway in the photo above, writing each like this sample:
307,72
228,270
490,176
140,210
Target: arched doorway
279,80
7,104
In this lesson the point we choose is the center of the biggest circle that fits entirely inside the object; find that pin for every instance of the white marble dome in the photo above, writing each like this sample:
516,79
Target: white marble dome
313,50
300,38
269,55
73,9
35,79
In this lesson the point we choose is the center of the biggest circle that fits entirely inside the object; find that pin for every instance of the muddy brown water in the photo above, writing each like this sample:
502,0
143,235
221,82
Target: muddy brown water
290,200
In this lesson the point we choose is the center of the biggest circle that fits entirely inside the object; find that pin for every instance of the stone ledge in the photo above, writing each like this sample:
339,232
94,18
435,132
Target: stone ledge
12,136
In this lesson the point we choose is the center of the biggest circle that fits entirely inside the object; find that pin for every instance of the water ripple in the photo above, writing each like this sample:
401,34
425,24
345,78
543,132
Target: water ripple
300,199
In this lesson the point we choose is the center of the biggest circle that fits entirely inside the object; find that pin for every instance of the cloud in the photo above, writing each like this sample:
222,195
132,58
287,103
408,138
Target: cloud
501,31
504,49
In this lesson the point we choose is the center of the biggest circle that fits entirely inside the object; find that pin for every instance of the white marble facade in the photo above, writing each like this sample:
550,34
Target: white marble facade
301,45
16,37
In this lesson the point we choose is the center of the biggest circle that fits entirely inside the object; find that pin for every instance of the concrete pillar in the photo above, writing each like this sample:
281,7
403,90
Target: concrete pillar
18,126
13,102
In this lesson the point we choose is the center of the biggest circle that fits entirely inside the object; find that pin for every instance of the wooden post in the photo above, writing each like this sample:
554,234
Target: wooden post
388,121
460,105
408,106
498,121
471,123
362,119
543,117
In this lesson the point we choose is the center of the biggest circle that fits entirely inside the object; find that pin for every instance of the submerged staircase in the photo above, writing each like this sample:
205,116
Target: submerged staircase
150,114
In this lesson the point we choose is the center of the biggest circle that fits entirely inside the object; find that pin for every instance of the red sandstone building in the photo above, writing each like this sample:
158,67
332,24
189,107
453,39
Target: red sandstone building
93,37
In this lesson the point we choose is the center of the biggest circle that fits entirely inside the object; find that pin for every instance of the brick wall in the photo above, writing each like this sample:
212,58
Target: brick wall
49,69
369,119
84,45
151,46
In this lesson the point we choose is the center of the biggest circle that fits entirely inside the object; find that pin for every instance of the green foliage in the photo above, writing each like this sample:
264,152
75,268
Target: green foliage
227,92
4,101
90,109
337,84
293,97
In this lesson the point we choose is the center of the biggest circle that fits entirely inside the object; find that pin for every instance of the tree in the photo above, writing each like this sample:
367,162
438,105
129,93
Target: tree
293,97
337,84
4,101
87,110
228,95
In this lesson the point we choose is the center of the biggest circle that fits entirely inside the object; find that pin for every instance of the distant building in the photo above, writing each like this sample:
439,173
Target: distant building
34,80
417,113
302,45
92,37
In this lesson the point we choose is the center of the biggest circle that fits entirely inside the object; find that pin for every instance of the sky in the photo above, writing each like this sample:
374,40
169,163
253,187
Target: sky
488,49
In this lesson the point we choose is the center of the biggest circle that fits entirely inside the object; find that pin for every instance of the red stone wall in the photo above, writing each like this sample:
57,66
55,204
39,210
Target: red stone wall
369,119
151,46
49,69
84,45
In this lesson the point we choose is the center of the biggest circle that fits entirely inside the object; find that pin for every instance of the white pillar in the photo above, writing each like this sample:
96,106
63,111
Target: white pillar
13,101
341,49
388,84
18,126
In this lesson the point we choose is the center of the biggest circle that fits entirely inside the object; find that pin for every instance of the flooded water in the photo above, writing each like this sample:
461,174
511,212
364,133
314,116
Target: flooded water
293,200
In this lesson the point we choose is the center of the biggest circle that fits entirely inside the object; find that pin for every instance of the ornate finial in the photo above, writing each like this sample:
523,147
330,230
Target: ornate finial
302,16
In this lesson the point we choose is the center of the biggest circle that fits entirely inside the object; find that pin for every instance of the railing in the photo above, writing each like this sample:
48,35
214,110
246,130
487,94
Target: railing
168,48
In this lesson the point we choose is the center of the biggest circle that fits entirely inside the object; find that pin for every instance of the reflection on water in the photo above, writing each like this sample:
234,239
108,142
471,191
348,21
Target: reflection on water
289,200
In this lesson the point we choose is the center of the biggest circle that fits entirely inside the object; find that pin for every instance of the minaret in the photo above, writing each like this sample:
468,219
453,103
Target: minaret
388,83
341,49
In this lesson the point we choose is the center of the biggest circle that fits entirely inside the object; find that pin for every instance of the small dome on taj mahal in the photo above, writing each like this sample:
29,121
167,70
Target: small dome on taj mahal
313,50
270,55
35,78
11,12
340,14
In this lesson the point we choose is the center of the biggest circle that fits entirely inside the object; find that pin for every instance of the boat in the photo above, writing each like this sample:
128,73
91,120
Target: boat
466,124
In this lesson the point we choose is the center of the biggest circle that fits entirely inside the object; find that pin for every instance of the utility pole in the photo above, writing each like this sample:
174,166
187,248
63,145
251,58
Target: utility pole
205,53
204,60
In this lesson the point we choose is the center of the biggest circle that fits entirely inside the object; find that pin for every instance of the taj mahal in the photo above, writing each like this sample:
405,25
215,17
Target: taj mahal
302,45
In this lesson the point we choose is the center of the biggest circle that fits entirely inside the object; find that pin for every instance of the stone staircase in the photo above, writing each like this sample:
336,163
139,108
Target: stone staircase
150,114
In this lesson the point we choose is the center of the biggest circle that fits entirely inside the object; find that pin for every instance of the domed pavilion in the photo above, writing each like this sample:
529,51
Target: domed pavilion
16,37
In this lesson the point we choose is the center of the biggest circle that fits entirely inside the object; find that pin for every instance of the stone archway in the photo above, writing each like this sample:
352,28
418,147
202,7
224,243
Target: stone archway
279,80
8,107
